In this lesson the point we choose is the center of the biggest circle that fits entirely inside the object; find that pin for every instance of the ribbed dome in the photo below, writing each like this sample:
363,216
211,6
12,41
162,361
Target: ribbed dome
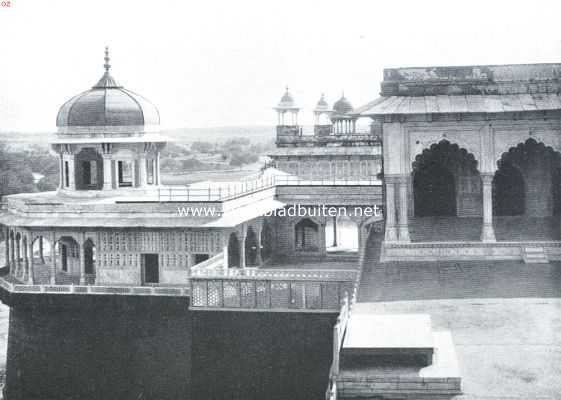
287,101
107,104
322,104
342,106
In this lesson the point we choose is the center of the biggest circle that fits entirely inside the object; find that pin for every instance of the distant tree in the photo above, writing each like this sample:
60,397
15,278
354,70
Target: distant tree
202,147
170,164
192,164
48,183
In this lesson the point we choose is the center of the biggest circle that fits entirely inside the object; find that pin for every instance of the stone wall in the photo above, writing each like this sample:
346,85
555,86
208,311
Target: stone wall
98,347
273,356
118,347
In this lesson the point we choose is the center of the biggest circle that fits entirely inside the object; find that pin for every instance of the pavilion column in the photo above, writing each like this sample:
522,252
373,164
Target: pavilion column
61,172
82,259
391,229
142,181
403,222
258,258
157,169
25,261
13,264
133,167
488,232
7,248
30,264
52,266
107,172
242,247
71,173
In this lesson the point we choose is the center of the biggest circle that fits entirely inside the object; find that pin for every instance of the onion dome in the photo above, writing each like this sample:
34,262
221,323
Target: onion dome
322,105
343,105
287,102
107,104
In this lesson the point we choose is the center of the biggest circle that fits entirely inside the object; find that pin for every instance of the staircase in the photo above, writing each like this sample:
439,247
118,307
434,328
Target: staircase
534,255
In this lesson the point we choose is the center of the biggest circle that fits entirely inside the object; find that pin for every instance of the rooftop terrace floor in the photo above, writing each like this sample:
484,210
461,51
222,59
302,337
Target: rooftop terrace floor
505,319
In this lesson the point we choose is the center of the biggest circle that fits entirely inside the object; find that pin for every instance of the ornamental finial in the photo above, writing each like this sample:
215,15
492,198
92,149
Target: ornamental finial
107,59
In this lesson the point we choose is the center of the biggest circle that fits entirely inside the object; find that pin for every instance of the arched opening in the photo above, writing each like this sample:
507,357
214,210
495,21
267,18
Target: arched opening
68,256
234,259
341,235
527,181
41,250
446,182
508,191
89,257
89,170
267,239
527,193
251,248
306,235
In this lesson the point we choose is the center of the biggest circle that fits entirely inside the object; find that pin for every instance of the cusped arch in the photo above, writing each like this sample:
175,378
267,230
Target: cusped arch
446,148
469,141
512,139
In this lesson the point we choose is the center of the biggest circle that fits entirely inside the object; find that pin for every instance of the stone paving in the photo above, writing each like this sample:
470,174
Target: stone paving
505,319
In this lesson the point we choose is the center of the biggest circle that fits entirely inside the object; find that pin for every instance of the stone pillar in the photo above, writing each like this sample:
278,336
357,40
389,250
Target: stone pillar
25,260
487,233
30,264
322,242
142,181
71,173
52,267
7,248
133,167
115,173
403,222
61,172
389,212
335,231
107,172
13,263
259,260
82,259
242,247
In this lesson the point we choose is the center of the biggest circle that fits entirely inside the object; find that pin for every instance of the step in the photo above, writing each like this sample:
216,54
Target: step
534,255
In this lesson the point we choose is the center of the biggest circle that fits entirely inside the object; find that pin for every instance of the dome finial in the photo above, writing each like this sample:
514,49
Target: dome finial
107,59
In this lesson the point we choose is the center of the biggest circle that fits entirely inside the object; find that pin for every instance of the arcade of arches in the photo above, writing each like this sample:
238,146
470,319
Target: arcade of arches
445,189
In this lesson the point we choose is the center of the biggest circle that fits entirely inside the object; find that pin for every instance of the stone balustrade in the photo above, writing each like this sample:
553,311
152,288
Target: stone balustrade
16,287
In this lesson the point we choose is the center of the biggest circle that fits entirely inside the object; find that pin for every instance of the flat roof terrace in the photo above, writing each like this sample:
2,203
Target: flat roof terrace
503,317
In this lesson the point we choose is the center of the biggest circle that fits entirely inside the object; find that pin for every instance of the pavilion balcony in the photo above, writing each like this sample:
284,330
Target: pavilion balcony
324,135
270,288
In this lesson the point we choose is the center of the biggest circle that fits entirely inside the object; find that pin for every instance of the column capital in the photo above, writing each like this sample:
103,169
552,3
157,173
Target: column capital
396,178
487,178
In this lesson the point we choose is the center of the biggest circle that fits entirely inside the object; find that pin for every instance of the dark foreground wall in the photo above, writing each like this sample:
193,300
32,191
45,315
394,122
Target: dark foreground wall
98,347
118,347
266,356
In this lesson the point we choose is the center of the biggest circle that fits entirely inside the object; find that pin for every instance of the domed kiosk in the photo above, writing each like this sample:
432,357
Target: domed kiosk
343,121
107,139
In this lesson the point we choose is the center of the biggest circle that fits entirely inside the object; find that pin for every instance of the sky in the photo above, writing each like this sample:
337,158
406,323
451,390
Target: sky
226,63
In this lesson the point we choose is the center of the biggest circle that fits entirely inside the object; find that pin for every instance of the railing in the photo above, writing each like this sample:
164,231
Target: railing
261,293
339,331
291,180
231,191
343,275
216,192
95,289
